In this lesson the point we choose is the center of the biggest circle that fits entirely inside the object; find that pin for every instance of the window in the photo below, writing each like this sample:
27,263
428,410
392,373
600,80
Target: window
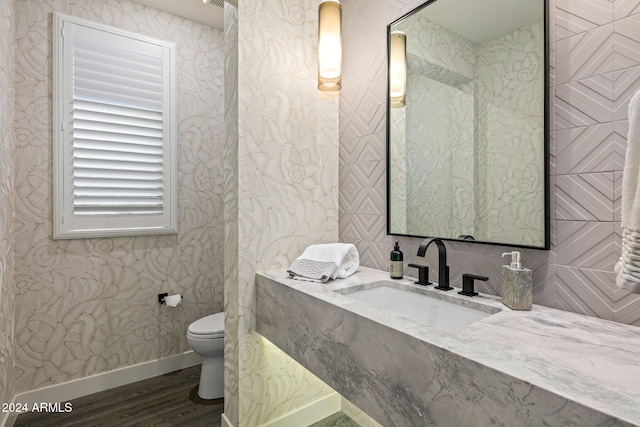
114,132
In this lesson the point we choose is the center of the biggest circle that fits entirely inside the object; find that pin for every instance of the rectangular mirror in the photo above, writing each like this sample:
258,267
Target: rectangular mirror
467,145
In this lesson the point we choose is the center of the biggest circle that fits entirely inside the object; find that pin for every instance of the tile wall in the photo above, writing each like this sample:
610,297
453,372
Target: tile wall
595,68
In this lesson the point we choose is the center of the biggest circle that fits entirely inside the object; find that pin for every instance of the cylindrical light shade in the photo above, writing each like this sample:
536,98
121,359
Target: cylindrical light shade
330,46
397,69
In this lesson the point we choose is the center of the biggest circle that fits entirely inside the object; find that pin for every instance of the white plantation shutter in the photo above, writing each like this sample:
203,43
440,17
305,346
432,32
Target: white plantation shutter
115,148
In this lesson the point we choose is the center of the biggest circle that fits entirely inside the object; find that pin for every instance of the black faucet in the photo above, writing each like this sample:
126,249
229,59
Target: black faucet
443,268
467,284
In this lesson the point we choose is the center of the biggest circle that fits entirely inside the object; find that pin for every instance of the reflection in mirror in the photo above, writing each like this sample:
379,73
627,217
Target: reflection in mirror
467,152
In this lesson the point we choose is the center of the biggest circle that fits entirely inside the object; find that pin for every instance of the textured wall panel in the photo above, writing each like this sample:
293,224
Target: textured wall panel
584,149
620,132
624,8
364,149
585,102
584,197
626,42
366,227
584,55
544,285
585,291
363,175
371,200
363,165
363,97
625,84
363,122
617,196
627,307
585,244
577,16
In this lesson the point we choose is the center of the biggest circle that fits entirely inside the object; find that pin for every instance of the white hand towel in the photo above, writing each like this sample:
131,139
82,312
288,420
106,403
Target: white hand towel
319,263
628,267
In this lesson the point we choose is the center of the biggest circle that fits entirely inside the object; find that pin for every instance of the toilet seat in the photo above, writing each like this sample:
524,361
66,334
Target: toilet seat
217,336
211,326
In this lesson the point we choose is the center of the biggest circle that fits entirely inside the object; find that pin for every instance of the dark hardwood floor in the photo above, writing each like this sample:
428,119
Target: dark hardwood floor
169,400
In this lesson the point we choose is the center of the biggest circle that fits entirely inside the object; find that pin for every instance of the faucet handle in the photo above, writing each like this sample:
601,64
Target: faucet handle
467,284
423,274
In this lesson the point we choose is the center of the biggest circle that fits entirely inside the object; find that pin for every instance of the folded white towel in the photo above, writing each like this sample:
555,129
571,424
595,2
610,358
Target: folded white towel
628,270
319,263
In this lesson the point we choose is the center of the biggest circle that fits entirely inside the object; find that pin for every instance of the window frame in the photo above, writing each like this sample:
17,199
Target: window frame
66,224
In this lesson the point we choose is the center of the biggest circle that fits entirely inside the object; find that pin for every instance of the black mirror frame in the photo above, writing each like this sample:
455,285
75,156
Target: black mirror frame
547,179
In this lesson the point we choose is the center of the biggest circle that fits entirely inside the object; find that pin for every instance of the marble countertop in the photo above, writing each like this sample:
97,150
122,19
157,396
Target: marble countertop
590,361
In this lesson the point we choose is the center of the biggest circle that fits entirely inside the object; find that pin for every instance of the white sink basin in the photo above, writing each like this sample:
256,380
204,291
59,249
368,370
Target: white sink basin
430,311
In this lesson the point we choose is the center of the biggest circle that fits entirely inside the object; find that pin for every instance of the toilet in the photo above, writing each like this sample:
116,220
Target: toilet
206,337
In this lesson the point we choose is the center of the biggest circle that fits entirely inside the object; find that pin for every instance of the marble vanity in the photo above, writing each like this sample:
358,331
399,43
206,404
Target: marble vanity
514,368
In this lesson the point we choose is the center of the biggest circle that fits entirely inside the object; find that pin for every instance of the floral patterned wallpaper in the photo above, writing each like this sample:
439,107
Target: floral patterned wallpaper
509,78
443,169
90,305
435,46
286,186
398,164
441,66
7,295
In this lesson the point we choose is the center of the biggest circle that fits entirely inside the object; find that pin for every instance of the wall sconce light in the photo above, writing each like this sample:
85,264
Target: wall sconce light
397,69
330,45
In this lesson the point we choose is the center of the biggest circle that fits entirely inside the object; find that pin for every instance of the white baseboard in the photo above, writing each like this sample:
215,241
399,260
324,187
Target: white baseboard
225,421
105,381
7,420
309,414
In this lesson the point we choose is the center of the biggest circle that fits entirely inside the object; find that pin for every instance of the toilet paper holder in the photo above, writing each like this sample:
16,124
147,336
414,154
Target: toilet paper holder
161,298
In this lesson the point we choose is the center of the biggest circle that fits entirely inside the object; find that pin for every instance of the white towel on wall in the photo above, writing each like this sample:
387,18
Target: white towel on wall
321,262
628,267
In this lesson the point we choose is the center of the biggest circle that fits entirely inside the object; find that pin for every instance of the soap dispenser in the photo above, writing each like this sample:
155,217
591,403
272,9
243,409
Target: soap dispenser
517,283
396,262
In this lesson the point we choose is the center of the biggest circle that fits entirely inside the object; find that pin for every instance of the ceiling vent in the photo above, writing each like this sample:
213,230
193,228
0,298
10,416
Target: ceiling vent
219,3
